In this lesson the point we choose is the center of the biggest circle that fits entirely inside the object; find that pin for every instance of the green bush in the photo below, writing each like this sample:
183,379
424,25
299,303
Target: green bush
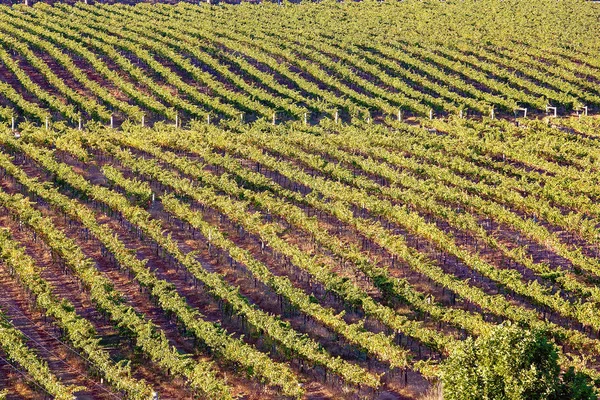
511,363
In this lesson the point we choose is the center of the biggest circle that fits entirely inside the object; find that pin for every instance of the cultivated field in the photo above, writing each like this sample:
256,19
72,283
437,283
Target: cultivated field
298,201
364,61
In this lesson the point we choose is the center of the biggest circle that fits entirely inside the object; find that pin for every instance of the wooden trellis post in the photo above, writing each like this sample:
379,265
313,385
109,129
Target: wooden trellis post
274,117
47,123
143,120
548,108
80,123
208,119
242,117
521,109
112,122
431,113
176,120
305,118
13,123
399,115
492,113
584,111
336,116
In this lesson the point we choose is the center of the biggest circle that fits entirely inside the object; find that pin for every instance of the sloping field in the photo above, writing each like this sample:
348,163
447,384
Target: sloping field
310,201
156,62
287,260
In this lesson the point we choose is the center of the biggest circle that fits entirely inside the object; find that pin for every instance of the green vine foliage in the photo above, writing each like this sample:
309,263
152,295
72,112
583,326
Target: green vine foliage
510,363
231,63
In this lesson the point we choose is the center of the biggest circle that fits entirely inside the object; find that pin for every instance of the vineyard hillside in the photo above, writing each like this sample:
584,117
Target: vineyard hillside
314,200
